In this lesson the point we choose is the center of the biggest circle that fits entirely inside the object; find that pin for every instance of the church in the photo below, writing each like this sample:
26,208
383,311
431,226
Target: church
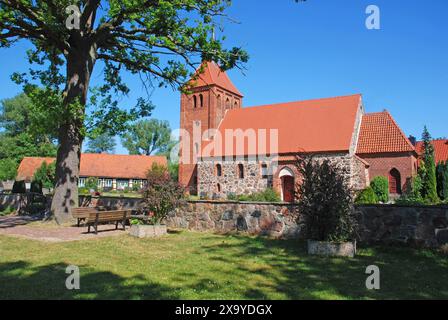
230,149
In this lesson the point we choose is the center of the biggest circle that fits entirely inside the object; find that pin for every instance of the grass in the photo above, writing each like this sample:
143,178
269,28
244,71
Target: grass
189,265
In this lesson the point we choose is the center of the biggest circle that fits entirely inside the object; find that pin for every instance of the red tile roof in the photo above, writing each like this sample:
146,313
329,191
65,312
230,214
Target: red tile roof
381,134
440,149
29,165
322,125
212,75
99,165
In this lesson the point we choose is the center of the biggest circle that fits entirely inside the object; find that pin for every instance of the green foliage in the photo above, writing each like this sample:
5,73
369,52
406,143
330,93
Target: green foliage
442,180
367,196
8,169
19,187
83,191
20,137
161,195
413,193
267,195
46,175
36,187
428,170
6,211
380,186
103,143
148,137
91,184
325,200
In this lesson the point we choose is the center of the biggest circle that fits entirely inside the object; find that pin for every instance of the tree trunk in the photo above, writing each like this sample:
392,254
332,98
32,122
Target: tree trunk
79,68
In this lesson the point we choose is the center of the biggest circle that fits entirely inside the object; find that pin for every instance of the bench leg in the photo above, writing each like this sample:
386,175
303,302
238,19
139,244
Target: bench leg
88,229
96,228
78,222
116,225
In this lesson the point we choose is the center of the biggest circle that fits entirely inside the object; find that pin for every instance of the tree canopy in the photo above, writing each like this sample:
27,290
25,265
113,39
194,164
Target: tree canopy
161,41
103,143
147,137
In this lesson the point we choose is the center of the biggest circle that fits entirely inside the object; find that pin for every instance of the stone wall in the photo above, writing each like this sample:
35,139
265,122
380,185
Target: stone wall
273,219
385,224
213,186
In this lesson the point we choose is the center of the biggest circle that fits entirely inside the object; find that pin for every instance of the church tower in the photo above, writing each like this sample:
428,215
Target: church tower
212,94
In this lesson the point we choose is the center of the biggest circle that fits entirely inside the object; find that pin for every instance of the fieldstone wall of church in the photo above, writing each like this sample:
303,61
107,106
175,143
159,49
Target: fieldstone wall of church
212,186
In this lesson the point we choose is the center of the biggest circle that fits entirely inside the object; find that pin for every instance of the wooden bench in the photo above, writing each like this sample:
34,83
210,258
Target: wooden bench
82,213
100,217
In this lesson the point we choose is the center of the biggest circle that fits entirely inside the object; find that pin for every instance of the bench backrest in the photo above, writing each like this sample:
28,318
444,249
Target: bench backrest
83,212
109,216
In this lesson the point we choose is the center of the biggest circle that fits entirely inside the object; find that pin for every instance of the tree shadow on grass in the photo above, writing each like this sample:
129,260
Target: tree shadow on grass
20,280
285,268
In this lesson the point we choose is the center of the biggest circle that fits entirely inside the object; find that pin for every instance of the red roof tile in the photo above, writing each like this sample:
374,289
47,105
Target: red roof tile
440,149
212,75
29,165
99,165
381,134
322,125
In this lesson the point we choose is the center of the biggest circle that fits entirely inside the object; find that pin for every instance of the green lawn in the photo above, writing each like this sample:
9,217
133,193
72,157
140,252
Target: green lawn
188,265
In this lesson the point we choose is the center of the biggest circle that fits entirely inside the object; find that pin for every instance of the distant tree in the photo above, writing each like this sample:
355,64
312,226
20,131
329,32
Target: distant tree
23,134
428,172
442,180
147,137
103,143
8,169
45,174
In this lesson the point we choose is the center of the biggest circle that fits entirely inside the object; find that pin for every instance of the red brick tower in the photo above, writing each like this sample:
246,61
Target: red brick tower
213,93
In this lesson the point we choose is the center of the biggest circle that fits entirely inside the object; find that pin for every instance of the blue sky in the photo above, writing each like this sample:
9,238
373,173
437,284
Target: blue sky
322,48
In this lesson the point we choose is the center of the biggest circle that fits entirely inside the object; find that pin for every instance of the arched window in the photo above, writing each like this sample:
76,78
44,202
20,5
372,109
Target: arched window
228,103
218,170
394,181
201,100
241,171
235,105
195,102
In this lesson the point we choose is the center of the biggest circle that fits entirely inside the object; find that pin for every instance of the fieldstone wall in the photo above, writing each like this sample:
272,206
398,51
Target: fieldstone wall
212,186
273,219
425,226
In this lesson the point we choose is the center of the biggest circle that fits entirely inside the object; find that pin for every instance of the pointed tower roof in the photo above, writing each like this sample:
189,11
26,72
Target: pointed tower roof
213,75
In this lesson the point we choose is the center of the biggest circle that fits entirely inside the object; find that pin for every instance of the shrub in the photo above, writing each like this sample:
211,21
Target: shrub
91,184
83,191
325,200
367,196
19,187
6,211
413,193
267,195
46,175
442,180
428,170
380,185
161,195
36,187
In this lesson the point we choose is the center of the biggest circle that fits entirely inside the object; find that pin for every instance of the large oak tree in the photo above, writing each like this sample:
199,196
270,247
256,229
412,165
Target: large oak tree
160,40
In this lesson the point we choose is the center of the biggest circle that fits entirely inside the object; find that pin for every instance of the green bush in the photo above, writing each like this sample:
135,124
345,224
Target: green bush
367,196
83,191
380,186
91,184
19,187
325,200
36,187
6,211
267,195
46,175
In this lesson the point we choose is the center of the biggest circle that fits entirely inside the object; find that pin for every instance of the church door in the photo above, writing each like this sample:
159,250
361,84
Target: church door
288,188
394,181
